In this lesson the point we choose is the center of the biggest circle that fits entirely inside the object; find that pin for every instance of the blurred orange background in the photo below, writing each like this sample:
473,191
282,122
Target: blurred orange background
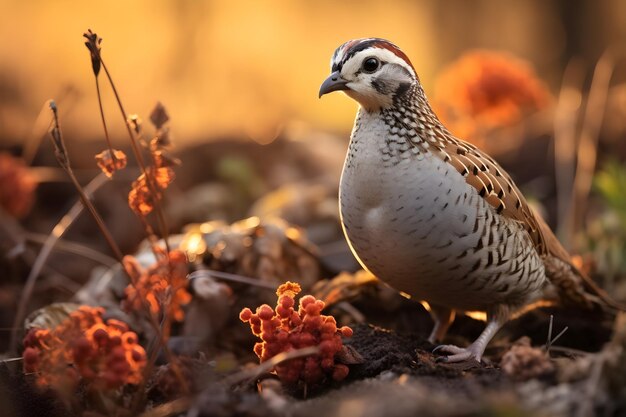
250,69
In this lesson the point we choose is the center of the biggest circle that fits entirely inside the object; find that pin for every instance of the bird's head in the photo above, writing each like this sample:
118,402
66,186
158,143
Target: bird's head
372,71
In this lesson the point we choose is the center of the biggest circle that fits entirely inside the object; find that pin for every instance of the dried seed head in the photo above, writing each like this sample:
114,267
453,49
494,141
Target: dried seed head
57,138
93,44
161,140
159,115
163,159
109,162
135,123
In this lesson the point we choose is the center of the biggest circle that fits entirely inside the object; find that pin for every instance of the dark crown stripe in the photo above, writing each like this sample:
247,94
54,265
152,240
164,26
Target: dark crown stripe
350,48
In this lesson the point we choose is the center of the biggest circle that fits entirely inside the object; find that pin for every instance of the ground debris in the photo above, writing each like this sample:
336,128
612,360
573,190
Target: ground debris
523,362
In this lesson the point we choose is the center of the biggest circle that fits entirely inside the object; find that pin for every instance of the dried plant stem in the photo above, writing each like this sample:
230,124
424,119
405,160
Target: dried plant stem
56,234
162,332
161,342
104,123
63,158
588,143
140,161
94,213
96,216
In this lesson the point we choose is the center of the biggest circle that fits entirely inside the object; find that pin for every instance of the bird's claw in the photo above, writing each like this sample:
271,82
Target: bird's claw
457,354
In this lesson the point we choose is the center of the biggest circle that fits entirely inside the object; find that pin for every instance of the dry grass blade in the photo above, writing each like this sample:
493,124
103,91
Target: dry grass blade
73,248
587,146
210,273
43,123
171,408
11,360
250,374
550,331
551,340
52,239
565,121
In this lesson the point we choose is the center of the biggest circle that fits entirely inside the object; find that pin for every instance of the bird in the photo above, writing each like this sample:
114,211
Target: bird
435,217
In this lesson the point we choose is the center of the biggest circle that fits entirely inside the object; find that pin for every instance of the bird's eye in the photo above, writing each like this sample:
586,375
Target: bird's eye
371,64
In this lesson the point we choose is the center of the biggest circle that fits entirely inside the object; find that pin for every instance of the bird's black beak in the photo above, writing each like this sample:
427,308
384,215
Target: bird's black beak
333,83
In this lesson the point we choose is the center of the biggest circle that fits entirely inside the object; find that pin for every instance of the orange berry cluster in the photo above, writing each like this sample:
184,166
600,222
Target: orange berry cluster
17,185
164,284
285,329
106,355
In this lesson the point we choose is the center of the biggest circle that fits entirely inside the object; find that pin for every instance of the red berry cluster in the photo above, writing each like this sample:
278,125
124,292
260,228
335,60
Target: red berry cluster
105,355
285,329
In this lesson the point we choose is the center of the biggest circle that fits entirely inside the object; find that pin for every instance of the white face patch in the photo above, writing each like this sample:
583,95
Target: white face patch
384,55
393,72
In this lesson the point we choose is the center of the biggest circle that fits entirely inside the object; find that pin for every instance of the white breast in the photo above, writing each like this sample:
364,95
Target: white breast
413,221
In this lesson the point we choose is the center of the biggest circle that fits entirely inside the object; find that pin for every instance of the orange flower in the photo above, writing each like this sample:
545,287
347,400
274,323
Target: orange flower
147,189
17,185
109,163
106,355
483,90
163,159
141,198
163,284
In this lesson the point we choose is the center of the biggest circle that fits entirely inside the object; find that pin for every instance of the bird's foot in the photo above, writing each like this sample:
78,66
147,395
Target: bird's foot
457,354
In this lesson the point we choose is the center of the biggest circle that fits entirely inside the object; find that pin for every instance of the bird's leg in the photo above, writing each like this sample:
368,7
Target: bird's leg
495,320
443,317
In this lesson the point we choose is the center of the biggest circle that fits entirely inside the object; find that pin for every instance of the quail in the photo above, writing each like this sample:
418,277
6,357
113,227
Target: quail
434,216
